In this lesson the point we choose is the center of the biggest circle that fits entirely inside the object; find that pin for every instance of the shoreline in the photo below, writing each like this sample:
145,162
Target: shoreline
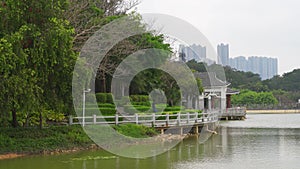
13,155
273,111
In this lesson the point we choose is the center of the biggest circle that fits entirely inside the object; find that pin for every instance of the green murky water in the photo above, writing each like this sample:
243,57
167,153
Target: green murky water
262,141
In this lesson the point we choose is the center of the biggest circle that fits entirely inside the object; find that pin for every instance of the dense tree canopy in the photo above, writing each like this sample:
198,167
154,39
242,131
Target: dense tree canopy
39,45
249,98
289,81
36,57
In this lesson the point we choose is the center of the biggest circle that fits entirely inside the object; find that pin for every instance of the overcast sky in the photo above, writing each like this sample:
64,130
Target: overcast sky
251,27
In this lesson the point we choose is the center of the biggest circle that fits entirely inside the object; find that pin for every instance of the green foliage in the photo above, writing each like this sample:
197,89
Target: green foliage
141,103
106,105
289,81
139,98
54,116
199,67
174,108
244,80
34,140
101,97
36,58
108,111
136,109
135,131
104,98
105,111
248,97
199,84
109,98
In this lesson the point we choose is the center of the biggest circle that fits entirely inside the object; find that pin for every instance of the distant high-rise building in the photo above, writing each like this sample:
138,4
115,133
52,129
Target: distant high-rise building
194,52
265,67
223,54
239,63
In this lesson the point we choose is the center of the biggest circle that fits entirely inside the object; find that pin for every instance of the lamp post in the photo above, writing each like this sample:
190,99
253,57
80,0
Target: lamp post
83,105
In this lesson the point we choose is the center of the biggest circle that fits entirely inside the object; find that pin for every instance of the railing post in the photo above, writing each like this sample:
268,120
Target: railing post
153,119
196,117
179,119
188,118
70,120
117,119
136,119
94,118
167,119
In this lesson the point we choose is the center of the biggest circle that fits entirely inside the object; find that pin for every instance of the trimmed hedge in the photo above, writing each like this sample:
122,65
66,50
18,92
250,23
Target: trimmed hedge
101,105
136,131
136,109
109,98
170,113
101,97
139,98
105,98
106,111
141,103
175,108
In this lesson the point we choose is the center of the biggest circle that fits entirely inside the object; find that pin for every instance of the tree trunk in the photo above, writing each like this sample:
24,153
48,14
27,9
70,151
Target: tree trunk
104,84
14,119
41,120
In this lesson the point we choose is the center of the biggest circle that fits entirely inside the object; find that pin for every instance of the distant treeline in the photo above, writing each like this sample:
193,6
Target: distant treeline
285,88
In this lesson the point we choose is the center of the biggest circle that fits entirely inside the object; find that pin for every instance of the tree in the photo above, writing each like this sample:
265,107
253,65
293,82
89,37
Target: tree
88,16
37,57
289,81
247,97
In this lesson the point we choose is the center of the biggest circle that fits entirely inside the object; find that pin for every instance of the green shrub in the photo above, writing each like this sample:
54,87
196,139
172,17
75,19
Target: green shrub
141,103
136,131
144,98
109,98
101,105
134,98
139,98
136,109
106,111
170,113
35,140
175,108
101,97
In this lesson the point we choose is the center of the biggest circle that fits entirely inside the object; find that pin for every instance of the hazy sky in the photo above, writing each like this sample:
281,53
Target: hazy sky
251,27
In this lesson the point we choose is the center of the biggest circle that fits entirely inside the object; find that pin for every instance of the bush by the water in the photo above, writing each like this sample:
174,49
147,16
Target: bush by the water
136,131
35,140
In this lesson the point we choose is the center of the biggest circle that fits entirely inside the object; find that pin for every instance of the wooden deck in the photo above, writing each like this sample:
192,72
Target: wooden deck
234,114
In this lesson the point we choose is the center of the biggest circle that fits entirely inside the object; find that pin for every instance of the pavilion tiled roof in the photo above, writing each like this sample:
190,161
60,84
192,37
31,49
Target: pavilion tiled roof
209,79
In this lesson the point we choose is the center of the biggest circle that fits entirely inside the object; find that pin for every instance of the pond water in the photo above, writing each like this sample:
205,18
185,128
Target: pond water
261,141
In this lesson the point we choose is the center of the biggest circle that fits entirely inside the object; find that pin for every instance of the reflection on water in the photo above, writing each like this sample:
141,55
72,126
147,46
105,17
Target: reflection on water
236,147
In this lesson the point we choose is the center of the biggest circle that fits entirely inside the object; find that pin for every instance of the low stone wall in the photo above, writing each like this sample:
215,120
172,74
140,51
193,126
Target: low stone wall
273,111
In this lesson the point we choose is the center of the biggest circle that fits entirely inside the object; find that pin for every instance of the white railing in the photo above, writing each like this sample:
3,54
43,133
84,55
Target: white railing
154,120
